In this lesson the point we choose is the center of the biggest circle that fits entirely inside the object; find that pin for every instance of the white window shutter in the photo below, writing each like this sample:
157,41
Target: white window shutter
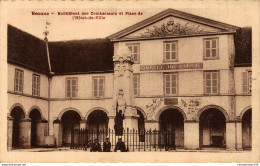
245,82
135,84
95,93
136,81
167,83
177,82
68,88
21,82
101,84
249,81
174,83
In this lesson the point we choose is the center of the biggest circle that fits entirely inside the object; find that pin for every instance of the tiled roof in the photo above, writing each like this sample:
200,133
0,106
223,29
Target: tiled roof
81,56
26,50
74,56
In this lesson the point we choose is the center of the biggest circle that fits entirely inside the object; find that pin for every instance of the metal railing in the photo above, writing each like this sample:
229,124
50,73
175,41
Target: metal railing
142,140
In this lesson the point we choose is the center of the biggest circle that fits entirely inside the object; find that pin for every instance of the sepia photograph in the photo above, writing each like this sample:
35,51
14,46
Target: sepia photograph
152,80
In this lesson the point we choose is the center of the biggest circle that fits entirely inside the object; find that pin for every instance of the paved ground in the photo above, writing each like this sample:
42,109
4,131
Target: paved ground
66,149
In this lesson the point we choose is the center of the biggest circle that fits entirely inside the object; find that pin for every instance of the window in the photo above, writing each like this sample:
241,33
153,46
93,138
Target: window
18,81
211,82
136,84
211,48
71,87
98,86
135,49
170,51
247,81
170,83
36,85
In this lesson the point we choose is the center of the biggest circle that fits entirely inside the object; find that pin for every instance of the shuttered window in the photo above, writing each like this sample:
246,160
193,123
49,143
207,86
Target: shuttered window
18,81
136,81
170,51
36,85
135,51
247,81
211,48
170,83
71,87
98,86
211,82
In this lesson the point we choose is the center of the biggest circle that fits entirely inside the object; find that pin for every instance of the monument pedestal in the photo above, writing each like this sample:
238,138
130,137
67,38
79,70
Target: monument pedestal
152,125
131,123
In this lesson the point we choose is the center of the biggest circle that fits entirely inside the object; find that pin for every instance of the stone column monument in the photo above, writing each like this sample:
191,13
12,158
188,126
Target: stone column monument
123,104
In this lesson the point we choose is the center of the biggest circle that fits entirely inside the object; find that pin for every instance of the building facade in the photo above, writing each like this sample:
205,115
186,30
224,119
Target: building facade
172,71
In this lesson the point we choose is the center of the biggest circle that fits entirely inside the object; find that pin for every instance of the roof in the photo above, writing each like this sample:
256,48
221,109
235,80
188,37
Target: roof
74,56
176,13
26,50
243,47
81,56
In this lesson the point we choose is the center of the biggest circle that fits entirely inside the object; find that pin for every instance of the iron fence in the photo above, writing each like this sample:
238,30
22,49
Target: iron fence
135,140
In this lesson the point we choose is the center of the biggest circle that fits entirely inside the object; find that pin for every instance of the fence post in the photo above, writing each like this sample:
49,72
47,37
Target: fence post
112,137
167,140
133,139
160,139
79,139
173,136
154,139
144,138
72,139
127,148
150,133
92,135
85,139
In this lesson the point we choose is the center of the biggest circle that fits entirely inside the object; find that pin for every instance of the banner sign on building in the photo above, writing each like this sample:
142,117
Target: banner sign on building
172,101
172,66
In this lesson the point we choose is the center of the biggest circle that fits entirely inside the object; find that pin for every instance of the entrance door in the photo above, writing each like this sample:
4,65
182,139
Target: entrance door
212,128
35,116
98,125
18,114
247,129
171,121
69,120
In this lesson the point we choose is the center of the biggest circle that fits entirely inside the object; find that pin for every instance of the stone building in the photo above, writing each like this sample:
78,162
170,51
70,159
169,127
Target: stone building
176,71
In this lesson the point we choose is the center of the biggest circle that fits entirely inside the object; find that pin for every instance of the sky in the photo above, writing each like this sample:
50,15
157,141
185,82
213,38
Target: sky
63,27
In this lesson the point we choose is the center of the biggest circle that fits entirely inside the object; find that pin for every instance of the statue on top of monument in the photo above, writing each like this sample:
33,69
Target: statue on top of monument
120,110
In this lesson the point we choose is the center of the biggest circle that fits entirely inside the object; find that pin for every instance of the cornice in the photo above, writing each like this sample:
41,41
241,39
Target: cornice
175,13
170,37
26,95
